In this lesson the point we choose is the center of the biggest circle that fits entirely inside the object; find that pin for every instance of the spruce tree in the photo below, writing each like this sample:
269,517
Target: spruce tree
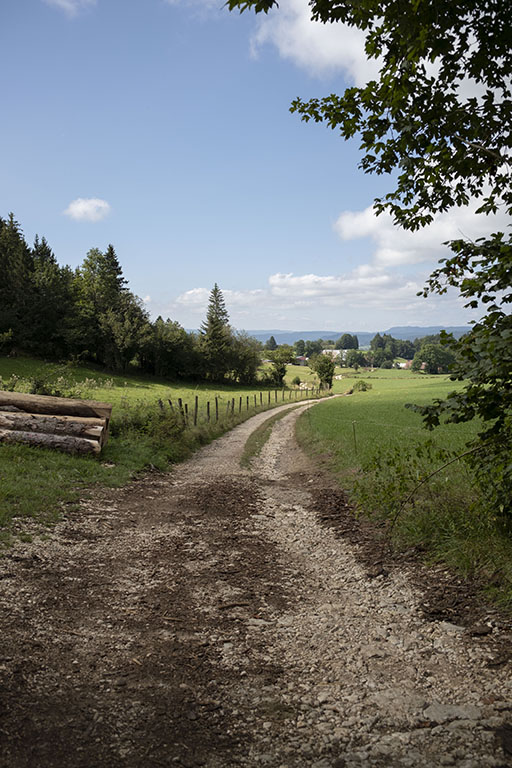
216,337
16,284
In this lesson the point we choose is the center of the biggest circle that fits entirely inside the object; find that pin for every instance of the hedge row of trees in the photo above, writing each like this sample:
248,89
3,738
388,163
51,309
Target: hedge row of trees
427,352
90,314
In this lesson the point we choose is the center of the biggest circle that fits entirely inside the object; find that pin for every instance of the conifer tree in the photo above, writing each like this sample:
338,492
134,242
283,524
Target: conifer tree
216,337
16,287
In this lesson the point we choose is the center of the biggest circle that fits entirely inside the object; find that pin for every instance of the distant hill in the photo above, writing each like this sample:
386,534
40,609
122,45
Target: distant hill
406,332
411,332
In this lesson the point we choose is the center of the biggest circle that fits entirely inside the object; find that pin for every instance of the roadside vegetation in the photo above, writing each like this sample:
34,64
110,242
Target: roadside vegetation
388,462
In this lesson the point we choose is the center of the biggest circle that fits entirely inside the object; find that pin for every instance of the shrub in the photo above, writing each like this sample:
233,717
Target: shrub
361,386
296,381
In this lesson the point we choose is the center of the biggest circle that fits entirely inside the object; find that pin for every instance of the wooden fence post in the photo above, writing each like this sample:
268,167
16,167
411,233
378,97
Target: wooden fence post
269,397
186,412
247,402
232,406
275,396
255,406
171,406
208,411
216,408
160,403
180,407
240,406
261,398
196,405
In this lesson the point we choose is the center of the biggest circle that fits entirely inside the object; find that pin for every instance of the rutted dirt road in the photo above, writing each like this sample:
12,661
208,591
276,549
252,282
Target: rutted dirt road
209,618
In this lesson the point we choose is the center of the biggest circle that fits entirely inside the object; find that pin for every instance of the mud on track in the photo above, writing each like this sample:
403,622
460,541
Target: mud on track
210,617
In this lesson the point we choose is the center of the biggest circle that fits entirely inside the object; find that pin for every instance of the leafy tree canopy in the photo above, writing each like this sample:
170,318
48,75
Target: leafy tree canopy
323,366
433,358
347,341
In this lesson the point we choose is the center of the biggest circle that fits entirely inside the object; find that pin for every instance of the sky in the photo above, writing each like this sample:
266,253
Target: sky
163,127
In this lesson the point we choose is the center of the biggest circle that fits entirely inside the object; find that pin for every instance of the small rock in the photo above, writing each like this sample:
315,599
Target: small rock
441,713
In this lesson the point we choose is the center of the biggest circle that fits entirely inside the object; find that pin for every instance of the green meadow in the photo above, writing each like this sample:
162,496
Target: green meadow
128,390
351,428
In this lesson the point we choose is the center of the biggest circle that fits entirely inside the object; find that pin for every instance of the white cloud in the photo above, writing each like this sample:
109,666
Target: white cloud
88,209
395,246
369,297
318,48
71,7
365,286
146,300
197,298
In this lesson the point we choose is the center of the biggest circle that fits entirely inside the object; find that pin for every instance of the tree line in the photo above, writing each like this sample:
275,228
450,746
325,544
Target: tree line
89,314
427,352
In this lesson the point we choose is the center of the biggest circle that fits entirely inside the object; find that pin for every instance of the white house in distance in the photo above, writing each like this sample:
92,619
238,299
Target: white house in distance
331,352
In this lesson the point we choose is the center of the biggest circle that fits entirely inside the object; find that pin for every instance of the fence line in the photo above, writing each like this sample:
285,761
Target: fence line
209,412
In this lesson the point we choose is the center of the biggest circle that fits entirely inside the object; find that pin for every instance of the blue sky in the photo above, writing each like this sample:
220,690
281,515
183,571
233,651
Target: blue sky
163,128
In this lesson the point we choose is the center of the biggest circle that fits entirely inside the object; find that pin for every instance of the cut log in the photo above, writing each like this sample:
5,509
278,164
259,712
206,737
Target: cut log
74,426
56,405
78,445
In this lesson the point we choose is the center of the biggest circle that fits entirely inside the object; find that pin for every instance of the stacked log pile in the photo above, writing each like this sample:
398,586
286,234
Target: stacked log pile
73,426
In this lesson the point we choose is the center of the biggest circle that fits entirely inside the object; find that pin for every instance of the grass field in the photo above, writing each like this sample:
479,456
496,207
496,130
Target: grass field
39,482
90,383
352,428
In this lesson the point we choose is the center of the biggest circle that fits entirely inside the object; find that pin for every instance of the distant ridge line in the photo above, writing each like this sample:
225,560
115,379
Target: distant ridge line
405,332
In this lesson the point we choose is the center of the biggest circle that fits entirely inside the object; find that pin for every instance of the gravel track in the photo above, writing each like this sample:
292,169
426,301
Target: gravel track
207,617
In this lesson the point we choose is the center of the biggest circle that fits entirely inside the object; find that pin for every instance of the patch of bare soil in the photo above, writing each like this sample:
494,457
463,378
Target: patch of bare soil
223,617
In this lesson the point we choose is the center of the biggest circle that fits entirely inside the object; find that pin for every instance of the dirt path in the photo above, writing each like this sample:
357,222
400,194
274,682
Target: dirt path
209,618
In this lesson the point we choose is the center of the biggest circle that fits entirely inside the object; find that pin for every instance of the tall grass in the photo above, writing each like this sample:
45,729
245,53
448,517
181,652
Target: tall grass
382,455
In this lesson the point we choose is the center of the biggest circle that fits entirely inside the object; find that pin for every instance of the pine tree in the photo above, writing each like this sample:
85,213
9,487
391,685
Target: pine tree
16,284
102,288
53,308
216,337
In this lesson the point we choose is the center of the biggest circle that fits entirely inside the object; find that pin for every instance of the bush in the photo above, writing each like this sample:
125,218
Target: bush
361,386
296,381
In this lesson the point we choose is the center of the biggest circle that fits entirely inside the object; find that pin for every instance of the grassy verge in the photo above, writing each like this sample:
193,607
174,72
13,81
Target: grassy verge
259,437
380,453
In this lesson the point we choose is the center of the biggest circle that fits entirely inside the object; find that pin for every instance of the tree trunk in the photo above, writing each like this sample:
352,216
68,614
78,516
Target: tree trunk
56,405
64,443
74,426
